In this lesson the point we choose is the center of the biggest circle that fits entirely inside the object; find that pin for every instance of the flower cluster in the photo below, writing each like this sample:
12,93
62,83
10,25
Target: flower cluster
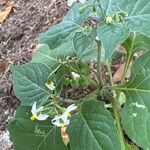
59,121
64,119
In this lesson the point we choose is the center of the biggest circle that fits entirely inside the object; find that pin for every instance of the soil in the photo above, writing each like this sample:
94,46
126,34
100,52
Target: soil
18,35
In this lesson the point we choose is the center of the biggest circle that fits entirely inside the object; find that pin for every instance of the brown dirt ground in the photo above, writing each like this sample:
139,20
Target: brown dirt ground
18,36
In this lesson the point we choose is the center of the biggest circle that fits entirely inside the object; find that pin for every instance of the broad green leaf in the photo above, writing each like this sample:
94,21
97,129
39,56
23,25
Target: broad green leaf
111,35
77,18
37,135
138,15
43,55
58,34
136,112
110,6
137,42
29,83
93,128
52,58
85,46
65,30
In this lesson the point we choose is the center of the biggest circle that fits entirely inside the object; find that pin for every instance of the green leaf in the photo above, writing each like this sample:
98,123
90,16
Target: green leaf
136,112
29,83
37,135
84,45
58,34
51,58
136,42
43,55
132,16
111,35
65,30
138,15
93,128
110,6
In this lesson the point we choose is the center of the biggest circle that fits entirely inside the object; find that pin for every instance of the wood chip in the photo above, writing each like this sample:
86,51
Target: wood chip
3,66
2,2
6,12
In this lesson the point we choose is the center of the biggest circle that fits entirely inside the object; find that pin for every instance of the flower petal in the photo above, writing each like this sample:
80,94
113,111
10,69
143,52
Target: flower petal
39,109
56,121
71,108
33,110
42,117
75,75
64,116
50,86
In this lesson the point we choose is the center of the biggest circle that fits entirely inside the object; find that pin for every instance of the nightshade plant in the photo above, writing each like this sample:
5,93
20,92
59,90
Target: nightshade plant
113,116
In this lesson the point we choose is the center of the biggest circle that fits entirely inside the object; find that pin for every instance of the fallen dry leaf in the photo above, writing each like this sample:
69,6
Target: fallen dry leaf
118,74
3,66
6,12
64,135
121,49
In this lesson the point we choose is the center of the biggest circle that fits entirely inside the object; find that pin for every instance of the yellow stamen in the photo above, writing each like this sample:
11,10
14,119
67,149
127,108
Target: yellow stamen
33,118
69,114
62,125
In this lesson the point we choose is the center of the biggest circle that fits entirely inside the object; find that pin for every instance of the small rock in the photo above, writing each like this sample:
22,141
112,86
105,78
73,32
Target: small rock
5,142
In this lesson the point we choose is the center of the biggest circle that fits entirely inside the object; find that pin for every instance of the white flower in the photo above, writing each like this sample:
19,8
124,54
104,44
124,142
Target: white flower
36,113
71,108
64,119
75,75
50,86
70,2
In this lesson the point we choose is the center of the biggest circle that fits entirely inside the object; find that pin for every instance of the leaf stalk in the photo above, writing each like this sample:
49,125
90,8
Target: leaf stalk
99,71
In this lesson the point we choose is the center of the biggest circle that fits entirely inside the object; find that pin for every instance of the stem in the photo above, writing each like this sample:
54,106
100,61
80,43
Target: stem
54,70
110,74
128,60
69,101
111,79
116,112
118,123
100,80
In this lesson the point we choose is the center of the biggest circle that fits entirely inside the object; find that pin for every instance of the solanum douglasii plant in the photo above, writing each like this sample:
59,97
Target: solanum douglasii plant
113,116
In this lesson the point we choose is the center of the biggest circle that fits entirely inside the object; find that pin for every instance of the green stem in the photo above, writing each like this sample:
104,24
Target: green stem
115,108
128,60
100,80
111,79
110,74
69,101
118,124
54,70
